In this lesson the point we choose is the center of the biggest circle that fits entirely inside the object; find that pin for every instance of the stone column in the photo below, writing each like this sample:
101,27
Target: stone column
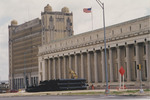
119,63
64,69
103,65
50,67
88,65
128,63
95,67
76,64
54,66
70,67
59,72
39,71
148,60
137,61
44,71
82,71
111,65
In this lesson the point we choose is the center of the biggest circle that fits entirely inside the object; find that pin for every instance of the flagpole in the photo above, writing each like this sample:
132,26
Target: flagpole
92,18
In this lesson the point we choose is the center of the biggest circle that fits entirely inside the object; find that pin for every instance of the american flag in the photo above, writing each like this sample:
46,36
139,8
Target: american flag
87,10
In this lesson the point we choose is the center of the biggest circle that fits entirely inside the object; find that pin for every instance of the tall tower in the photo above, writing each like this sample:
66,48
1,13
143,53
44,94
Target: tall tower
56,25
12,28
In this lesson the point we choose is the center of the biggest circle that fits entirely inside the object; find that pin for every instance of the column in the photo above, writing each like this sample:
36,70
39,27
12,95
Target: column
54,62
128,63
64,69
70,67
39,70
82,71
111,65
76,65
119,63
46,67
103,65
49,69
44,71
137,61
88,65
95,67
59,72
148,60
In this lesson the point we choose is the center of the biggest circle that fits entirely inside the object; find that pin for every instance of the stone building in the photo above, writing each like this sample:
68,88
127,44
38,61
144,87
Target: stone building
24,40
128,44
23,50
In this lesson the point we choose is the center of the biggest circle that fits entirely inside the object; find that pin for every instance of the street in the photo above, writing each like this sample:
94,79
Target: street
98,97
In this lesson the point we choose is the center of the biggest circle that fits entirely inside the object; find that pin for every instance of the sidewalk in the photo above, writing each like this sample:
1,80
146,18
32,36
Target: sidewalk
78,92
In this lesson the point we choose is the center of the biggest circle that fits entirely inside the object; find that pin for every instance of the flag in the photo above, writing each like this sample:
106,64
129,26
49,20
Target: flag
87,10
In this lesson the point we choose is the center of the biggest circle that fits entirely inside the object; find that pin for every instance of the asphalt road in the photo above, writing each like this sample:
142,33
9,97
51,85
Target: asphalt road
102,97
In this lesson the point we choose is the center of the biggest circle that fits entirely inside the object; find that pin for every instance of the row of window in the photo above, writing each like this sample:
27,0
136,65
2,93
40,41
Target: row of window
19,83
130,28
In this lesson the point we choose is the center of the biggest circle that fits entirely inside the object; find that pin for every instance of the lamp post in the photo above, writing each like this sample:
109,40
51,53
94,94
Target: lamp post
106,73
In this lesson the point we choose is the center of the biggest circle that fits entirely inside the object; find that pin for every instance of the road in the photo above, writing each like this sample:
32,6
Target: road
101,97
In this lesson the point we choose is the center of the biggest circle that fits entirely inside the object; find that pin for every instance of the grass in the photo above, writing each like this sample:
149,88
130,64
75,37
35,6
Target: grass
128,92
84,93
147,90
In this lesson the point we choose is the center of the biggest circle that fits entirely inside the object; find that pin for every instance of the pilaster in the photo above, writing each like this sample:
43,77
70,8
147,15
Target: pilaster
95,67
111,65
88,65
103,65
137,61
82,66
128,63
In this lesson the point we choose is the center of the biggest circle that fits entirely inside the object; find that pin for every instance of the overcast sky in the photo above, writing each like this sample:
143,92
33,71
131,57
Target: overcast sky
116,11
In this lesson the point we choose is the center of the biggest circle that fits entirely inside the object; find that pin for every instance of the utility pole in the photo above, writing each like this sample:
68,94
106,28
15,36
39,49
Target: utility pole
106,73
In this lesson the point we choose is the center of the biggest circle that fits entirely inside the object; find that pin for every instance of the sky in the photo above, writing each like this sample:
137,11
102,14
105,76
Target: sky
116,11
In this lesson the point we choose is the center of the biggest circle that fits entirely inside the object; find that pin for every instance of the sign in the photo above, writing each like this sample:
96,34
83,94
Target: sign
122,71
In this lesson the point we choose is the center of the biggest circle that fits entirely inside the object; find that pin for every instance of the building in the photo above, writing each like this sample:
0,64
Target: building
23,50
128,44
46,48
24,40
4,86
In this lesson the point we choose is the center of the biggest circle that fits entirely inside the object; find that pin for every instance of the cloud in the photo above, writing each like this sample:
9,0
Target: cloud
116,11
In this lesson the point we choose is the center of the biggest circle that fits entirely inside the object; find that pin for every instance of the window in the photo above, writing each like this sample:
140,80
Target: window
112,32
134,51
125,52
140,26
97,35
83,38
121,30
144,49
145,68
135,69
130,28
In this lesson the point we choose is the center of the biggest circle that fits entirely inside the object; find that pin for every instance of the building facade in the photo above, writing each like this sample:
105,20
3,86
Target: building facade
128,44
24,40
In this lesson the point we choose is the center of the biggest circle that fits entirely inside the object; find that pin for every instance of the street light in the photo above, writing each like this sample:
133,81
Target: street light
106,73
